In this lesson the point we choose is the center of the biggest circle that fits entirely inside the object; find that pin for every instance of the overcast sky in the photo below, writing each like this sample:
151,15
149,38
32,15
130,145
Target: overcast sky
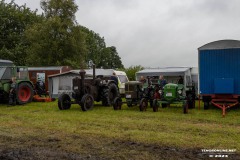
158,33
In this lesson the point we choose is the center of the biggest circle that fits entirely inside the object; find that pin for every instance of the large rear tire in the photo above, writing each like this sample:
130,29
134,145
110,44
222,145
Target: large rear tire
64,102
24,93
109,94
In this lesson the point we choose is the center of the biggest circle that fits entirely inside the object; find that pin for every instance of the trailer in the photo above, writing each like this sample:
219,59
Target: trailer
42,73
219,74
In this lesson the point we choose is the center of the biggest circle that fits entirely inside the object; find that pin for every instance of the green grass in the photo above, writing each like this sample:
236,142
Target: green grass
168,127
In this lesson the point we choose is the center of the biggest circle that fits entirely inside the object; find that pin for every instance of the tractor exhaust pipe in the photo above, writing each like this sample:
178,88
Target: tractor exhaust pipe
82,75
94,73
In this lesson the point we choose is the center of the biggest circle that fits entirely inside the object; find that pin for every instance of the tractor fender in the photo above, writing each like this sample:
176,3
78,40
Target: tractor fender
110,82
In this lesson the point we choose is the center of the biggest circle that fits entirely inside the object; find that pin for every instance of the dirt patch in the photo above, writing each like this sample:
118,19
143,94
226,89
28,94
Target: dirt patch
37,153
78,147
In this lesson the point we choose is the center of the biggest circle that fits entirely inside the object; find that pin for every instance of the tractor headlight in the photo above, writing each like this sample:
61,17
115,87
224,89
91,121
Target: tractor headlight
179,91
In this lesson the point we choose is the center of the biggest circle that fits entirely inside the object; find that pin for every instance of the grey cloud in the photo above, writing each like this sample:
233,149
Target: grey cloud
158,32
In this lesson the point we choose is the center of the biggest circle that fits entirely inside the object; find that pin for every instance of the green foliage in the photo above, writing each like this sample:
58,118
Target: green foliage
131,71
102,56
13,22
57,40
95,45
110,58
64,9
52,39
51,44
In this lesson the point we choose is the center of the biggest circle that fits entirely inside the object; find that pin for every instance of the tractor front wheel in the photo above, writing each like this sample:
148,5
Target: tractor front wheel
191,101
143,104
117,103
64,102
24,93
87,102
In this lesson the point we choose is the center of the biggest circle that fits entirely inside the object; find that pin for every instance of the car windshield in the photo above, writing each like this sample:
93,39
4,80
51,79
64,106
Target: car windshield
123,78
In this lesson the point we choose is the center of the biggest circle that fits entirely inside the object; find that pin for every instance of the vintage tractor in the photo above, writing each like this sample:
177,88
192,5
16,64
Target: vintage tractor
136,93
174,94
24,87
88,90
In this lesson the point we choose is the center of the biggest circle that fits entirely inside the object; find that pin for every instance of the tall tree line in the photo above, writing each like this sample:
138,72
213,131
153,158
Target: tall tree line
51,39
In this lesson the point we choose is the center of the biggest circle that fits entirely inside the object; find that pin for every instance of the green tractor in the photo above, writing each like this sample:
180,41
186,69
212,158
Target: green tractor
24,87
175,94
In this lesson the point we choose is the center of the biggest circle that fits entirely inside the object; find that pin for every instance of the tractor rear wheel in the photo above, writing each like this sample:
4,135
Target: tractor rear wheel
143,104
155,105
117,104
24,93
87,102
109,94
64,102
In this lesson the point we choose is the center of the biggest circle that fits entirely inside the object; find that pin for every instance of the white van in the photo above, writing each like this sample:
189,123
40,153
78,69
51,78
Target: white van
122,79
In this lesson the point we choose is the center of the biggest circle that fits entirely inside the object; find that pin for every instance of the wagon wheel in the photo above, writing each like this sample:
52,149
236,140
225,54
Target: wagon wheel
185,108
117,103
87,102
143,104
155,105
64,102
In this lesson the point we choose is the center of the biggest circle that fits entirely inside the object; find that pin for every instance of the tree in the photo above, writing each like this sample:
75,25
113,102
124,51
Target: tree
14,20
131,71
95,46
58,40
102,56
110,58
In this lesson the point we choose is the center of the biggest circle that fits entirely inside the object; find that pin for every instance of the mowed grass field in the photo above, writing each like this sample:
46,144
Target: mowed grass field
41,130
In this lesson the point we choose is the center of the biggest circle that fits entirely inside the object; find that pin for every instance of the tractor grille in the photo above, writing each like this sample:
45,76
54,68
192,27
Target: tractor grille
129,88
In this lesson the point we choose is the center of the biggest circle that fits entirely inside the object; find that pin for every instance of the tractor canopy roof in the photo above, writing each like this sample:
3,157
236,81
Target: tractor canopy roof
5,62
167,71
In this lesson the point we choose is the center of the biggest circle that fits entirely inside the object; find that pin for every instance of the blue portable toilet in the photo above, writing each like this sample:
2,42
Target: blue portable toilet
219,72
